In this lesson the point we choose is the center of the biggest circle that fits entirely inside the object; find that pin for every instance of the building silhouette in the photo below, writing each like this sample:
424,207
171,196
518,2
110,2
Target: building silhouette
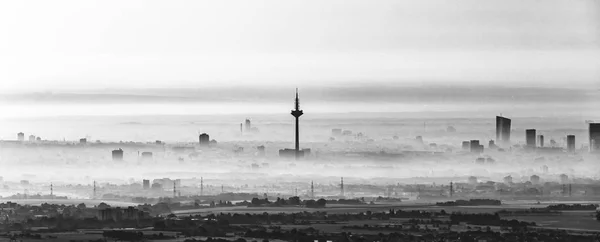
594,132
147,155
466,145
82,140
535,179
541,138
297,112
476,147
203,139
117,155
336,132
146,184
502,130
571,143
248,125
530,138
21,136
31,138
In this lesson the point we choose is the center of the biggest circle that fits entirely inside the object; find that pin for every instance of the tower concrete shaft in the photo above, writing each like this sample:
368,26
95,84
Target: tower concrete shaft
297,113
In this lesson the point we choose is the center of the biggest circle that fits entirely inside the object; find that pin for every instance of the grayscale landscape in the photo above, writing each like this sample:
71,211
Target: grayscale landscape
300,121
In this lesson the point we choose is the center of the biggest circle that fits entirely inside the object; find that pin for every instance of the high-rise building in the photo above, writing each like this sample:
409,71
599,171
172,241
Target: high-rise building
117,155
248,125
146,184
31,138
594,137
541,138
502,130
571,143
21,136
203,139
530,138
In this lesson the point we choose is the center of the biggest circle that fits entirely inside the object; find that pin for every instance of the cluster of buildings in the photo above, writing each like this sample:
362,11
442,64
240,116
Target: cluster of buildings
532,140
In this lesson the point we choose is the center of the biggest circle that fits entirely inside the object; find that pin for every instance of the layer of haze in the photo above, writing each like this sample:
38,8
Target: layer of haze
57,45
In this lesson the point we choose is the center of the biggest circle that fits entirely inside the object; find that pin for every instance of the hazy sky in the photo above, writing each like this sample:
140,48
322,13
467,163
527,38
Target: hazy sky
52,45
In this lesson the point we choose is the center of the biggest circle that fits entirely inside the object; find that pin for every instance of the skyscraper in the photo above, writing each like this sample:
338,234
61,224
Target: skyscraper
502,130
21,136
530,138
594,137
541,138
248,125
571,143
297,113
203,139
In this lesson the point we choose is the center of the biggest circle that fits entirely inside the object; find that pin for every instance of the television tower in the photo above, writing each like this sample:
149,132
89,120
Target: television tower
297,113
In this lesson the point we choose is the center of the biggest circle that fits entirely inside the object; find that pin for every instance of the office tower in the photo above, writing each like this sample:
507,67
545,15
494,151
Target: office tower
541,138
241,128
248,125
594,137
508,179
203,139
146,184
82,140
530,138
117,155
312,190
451,189
31,138
297,113
491,144
21,136
571,143
502,130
